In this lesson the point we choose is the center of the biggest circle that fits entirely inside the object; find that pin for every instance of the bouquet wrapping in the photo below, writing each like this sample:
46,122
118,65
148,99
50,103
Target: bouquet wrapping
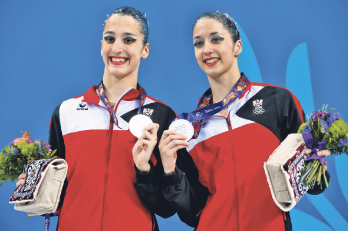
41,192
45,175
283,170
291,172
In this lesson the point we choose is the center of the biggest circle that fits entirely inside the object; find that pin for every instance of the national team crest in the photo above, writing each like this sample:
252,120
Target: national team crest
147,111
258,106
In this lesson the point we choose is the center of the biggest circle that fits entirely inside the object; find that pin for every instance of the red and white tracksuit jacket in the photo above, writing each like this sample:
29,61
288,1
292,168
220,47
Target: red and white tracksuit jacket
102,190
228,158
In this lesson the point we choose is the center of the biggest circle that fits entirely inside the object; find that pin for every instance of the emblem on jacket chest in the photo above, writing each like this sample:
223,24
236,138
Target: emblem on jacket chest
147,111
82,107
258,106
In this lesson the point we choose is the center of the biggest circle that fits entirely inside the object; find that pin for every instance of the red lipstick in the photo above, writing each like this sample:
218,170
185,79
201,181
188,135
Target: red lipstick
118,60
211,61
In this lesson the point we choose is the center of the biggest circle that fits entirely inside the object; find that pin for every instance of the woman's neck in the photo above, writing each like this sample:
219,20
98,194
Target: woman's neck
115,87
220,87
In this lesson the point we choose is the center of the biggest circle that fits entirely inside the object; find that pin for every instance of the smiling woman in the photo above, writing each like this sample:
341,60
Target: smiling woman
107,187
123,46
238,124
217,45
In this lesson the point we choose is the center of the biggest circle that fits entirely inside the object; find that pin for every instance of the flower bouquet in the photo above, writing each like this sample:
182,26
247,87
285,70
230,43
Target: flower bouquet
323,130
290,171
45,175
19,153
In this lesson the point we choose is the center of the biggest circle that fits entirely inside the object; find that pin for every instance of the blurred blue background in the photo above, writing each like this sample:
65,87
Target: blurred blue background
50,51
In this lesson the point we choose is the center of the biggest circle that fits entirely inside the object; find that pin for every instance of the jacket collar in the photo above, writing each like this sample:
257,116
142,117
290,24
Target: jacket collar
91,96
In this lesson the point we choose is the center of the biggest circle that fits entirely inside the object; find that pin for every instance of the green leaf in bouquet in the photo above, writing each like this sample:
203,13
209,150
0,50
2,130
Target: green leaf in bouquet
20,152
327,137
301,127
51,154
331,146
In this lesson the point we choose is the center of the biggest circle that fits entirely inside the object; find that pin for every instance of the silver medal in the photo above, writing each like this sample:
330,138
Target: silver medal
138,123
184,127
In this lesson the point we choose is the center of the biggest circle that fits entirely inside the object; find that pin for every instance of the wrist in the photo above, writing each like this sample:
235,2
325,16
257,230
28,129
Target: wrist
144,167
172,179
145,177
169,170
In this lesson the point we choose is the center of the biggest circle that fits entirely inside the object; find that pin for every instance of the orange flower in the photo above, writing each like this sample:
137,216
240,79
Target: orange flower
25,137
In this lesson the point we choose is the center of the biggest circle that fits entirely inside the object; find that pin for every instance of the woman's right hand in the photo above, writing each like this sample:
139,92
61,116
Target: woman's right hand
21,179
170,143
144,146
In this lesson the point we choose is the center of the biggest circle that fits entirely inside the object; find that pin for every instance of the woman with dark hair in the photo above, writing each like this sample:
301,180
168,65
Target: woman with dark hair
110,180
241,125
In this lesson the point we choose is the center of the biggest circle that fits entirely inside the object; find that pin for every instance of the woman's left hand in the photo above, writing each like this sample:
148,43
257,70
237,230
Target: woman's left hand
143,148
325,153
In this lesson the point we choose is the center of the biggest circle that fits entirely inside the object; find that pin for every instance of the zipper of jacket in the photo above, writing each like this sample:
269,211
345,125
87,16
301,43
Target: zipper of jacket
233,166
107,160
111,125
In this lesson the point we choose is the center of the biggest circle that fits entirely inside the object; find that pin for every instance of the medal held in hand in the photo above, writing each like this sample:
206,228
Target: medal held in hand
188,122
182,126
137,124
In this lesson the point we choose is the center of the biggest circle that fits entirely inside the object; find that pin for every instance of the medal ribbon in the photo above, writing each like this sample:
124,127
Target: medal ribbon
204,108
105,100
47,222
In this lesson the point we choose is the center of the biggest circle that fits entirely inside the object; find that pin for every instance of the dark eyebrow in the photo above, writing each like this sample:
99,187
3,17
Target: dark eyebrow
214,33
211,34
128,33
